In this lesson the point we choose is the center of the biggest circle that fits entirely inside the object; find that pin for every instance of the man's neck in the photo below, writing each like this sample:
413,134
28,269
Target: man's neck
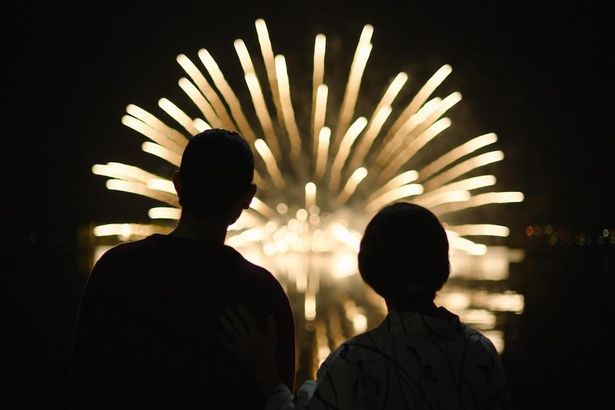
192,227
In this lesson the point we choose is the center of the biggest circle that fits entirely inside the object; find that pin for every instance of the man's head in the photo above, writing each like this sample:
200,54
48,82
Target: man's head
214,181
404,254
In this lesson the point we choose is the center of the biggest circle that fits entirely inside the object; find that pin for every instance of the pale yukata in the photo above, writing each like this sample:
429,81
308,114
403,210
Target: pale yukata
410,361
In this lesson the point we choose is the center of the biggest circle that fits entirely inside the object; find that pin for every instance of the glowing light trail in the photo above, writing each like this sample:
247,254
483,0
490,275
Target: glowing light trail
227,93
207,90
322,173
357,176
357,67
317,81
162,212
268,58
360,162
344,150
201,102
323,151
457,153
320,110
287,107
178,115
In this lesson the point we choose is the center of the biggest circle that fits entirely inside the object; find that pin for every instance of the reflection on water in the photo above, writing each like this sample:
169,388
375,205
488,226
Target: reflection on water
331,303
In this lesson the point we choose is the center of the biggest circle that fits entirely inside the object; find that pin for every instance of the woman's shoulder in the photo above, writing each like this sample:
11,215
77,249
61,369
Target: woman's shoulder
360,347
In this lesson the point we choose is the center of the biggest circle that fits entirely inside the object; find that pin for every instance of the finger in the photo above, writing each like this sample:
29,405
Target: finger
247,318
227,343
229,328
236,321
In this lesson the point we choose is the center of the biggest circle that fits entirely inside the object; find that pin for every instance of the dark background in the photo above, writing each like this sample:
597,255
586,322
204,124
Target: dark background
539,76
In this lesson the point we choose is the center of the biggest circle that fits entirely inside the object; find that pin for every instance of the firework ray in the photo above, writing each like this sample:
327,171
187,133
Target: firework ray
118,170
391,141
154,134
395,182
258,99
201,102
464,167
395,194
207,90
351,185
163,212
353,85
310,195
479,200
344,150
262,113
360,167
156,124
420,97
261,207
161,152
318,74
480,230
228,94
178,115
406,154
287,107
374,127
320,110
323,151
142,189
455,154
468,184
269,59
270,162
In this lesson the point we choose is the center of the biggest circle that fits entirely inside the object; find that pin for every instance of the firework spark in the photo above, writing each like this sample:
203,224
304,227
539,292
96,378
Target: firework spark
320,183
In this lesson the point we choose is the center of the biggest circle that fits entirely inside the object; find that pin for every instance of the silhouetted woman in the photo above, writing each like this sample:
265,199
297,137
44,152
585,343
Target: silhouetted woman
420,357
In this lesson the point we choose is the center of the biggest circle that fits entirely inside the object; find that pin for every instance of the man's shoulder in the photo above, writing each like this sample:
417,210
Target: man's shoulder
257,272
253,267
126,253
126,249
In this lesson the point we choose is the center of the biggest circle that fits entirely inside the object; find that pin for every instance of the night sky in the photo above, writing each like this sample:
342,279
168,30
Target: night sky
539,76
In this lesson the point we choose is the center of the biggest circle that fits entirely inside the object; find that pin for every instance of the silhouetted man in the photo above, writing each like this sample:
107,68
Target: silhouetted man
146,335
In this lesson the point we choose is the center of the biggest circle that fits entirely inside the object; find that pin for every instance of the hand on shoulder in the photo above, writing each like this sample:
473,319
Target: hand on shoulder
253,348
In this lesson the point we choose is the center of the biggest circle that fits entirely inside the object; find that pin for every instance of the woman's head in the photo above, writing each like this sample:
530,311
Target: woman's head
404,253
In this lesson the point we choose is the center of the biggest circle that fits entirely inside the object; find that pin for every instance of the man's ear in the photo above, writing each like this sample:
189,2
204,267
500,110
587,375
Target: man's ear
177,182
247,197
